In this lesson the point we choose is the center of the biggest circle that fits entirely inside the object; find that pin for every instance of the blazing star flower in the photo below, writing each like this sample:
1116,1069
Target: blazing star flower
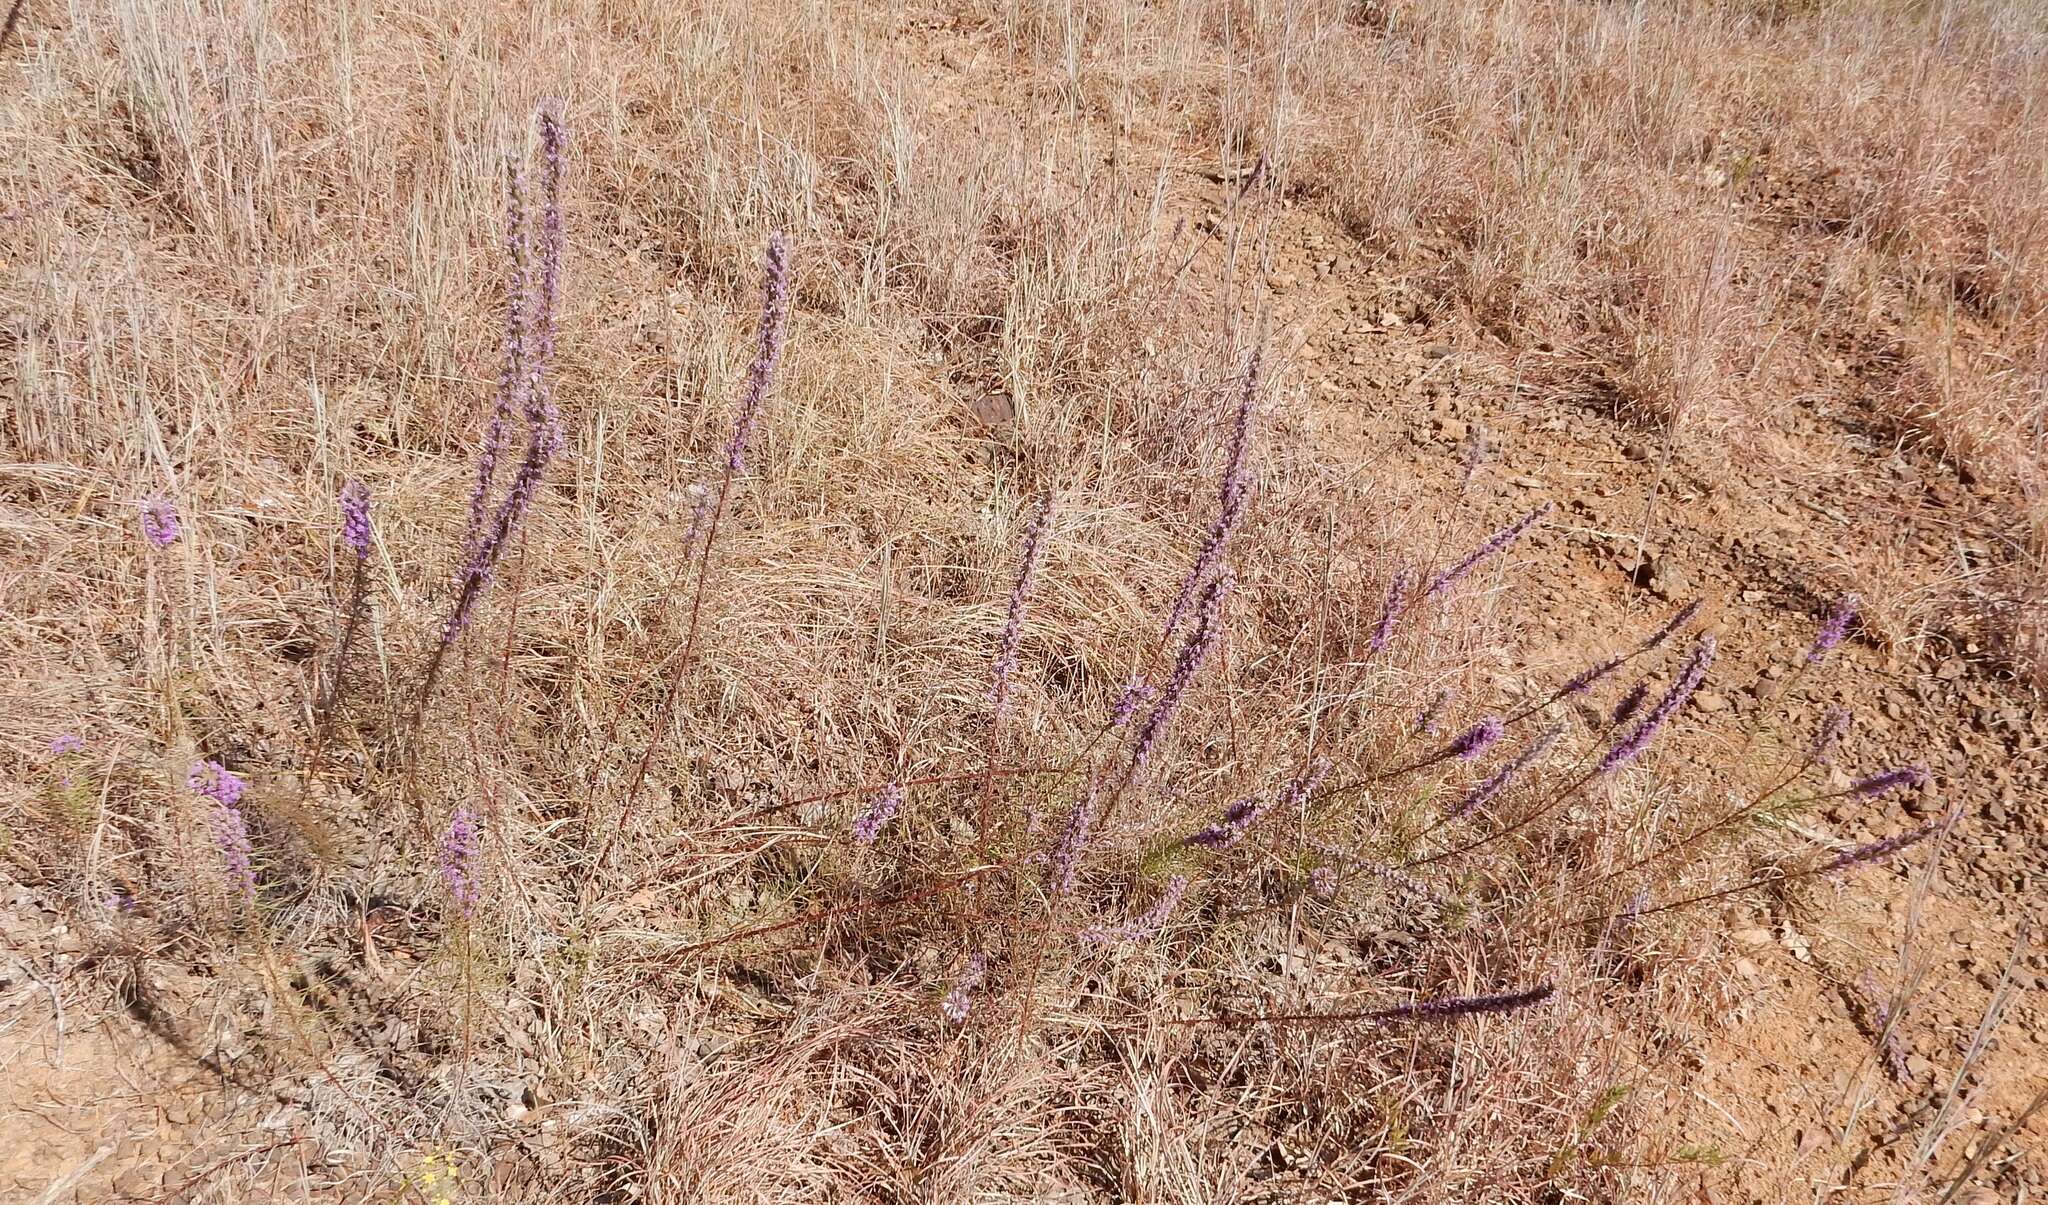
1833,628
355,517
1477,739
1013,625
230,827
958,1000
458,859
1689,678
1495,543
1485,791
1135,694
1234,493
160,522
1881,784
1875,850
1397,595
69,742
1833,727
869,825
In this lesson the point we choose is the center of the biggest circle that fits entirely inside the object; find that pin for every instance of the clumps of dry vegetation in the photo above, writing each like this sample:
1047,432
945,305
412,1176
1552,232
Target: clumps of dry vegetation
943,725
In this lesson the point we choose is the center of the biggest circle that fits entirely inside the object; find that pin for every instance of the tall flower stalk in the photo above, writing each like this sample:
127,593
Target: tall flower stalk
760,381
1005,664
1232,496
533,279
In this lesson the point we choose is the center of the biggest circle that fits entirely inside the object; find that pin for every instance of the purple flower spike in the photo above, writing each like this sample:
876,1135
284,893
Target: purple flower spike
230,827
1235,491
1485,791
1495,543
1236,819
1135,694
355,517
1240,816
869,825
1397,596
1684,616
1588,676
767,352
458,859
1833,628
69,742
216,782
1890,780
1477,739
160,522
1323,881
1631,702
1013,626
1694,672
523,384
1208,624
1875,850
1066,854
1142,927
957,1001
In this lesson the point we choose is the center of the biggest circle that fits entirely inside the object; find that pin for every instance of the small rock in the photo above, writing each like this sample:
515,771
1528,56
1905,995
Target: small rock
1710,701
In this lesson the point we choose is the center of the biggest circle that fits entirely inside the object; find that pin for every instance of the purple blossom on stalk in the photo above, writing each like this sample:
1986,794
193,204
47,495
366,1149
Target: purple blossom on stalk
1588,676
1135,694
1694,672
1599,670
1397,595
1875,850
1208,623
1323,881
1880,784
1475,740
1494,543
458,859
1236,819
957,1001
1684,616
160,522
1833,727
355,517
767,352
230,827
512,368
1485,791
1141,927
522,383
1240,816
1013,625
869,825
69,742
1631,702
1833,628
1065,860
1236,489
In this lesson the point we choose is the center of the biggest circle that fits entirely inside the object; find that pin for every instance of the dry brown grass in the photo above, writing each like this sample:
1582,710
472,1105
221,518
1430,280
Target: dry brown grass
250,255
